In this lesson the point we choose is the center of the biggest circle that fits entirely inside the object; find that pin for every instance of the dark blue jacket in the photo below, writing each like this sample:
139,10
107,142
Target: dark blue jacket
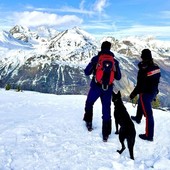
91,67
148,78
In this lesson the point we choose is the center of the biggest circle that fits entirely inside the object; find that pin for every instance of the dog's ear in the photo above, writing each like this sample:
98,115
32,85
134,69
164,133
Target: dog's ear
119,94
113,96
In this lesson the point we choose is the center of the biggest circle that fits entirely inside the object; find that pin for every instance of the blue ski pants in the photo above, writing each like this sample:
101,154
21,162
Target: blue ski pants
105,95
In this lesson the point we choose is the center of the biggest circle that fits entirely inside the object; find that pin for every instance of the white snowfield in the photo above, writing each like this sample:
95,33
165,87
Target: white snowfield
46,132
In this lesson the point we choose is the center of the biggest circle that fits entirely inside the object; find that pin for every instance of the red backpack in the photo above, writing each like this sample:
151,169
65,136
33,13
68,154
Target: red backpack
105,70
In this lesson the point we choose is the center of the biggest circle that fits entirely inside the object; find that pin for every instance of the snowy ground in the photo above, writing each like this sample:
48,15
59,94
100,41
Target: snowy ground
46,132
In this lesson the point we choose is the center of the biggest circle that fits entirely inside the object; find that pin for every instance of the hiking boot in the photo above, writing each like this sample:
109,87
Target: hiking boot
134,118
89,126
144,137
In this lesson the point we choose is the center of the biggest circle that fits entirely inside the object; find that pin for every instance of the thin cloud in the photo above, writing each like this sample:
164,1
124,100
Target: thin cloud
102,25
94,27
82,4
84,8
143,30
64,9
75,10
165,14
36,18
100,5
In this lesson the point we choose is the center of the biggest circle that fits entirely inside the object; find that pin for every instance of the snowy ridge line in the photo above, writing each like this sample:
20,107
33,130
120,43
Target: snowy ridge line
72,49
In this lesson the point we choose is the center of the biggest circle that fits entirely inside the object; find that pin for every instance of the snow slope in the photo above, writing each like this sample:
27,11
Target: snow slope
46,132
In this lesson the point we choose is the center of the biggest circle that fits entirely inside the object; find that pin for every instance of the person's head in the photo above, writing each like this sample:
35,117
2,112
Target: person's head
146,55
106,45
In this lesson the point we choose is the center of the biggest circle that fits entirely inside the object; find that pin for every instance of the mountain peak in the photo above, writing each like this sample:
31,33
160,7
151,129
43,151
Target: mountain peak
23,33
71,39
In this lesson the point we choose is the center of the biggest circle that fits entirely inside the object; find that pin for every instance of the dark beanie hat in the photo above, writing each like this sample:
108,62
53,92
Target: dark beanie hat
146,54
106,45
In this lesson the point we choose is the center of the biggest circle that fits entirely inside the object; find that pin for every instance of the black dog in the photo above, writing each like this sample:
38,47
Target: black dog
127,128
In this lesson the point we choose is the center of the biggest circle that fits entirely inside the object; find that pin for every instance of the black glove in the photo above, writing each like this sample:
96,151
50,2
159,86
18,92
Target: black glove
132,95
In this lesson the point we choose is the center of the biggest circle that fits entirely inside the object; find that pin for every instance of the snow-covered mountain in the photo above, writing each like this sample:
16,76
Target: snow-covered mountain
51,66
9,42
50,61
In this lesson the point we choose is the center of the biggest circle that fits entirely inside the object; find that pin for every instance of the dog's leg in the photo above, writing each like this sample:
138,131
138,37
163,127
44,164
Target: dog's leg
121,150
121,139
131,142
116,125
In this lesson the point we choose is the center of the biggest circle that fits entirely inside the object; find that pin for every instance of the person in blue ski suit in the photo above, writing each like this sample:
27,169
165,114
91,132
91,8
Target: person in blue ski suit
147,87
97,91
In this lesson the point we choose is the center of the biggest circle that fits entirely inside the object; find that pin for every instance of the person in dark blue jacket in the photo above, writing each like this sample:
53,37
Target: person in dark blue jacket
97,91
147,87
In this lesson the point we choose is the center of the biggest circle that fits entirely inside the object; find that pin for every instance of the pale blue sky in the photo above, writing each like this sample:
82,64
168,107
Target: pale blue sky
98,17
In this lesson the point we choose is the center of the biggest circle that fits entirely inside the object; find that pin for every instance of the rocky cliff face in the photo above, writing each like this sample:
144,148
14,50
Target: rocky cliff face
55,62
46,77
